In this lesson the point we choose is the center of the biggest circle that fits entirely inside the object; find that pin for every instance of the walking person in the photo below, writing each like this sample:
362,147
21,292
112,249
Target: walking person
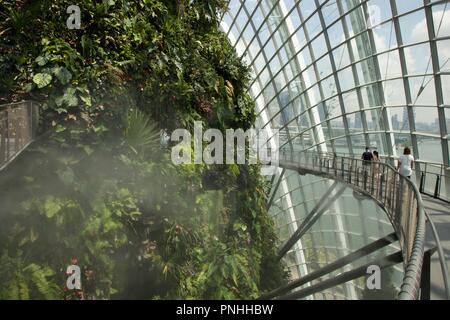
376,156
376,163
406,163
367,156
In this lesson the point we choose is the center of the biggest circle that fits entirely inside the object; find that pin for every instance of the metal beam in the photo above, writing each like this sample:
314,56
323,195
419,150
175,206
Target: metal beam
438,87
383,263
442,261
269,204
311,218
425,281
362,252
407,88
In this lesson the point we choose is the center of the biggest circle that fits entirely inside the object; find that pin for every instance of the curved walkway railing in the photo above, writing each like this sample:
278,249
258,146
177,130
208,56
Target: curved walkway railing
399,196
18,128
434,177
441,255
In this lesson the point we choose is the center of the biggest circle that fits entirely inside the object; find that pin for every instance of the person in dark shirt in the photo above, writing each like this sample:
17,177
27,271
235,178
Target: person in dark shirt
367,156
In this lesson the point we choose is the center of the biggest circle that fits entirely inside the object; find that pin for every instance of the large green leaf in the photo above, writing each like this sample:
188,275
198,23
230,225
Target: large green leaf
42,79
68,99
42,60
52,206
63,75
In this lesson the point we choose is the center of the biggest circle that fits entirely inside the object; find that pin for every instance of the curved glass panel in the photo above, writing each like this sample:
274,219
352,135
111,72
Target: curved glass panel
336,76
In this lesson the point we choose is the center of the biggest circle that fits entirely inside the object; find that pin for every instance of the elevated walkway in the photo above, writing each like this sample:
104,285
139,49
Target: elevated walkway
439,212
18,128
402,201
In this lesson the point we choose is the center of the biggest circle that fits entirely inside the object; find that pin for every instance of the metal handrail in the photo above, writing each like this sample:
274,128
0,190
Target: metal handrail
446,274
444,268
382,157
441,256
422,174
407,218
441,177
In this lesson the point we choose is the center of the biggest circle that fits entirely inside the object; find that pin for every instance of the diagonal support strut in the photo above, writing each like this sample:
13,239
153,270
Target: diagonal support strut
362,252
312,217
383,263
269,204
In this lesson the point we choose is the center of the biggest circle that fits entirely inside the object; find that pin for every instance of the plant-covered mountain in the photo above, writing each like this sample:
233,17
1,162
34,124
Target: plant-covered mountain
98,189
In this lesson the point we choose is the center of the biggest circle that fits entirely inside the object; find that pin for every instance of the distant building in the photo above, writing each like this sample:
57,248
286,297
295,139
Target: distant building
358,122
405,124
395,122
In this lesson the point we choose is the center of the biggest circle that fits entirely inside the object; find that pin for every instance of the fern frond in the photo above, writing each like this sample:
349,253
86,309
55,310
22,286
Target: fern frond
39,277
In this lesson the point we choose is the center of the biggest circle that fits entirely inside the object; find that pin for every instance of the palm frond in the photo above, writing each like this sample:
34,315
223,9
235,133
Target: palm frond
141,134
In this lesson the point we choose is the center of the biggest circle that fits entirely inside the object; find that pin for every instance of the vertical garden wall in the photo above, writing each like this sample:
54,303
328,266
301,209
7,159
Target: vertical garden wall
98,189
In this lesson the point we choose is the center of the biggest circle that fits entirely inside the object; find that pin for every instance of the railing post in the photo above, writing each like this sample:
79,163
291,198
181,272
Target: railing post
436,187
399,198
2,139
394,194
7,134
425,281
374,169
422,182
357,178
365,176
334,164
30,120
380,192
350,169
387,184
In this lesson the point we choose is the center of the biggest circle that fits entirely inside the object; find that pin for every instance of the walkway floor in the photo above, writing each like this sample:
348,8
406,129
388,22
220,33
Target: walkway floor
439,212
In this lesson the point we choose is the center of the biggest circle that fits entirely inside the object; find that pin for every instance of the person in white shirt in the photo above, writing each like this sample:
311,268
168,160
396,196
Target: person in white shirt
406,163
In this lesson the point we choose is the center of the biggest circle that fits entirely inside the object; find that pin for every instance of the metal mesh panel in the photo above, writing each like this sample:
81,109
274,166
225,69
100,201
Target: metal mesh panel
18,128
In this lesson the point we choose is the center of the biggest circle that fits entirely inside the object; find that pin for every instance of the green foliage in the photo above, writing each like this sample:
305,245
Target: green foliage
42,79
140,133
100,187
22,281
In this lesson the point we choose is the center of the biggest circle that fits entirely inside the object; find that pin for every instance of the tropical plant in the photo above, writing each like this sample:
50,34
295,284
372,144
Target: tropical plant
140,133
99,188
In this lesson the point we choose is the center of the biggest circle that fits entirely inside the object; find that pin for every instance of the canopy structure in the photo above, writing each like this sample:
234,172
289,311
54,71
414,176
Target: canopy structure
337,77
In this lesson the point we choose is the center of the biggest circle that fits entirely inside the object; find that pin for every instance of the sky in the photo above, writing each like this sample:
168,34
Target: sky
413,29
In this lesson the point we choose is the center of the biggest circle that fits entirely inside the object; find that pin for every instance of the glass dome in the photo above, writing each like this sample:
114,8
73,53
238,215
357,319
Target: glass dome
337,76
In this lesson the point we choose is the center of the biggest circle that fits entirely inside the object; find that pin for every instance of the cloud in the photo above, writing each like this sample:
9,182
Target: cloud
420,31
417,58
